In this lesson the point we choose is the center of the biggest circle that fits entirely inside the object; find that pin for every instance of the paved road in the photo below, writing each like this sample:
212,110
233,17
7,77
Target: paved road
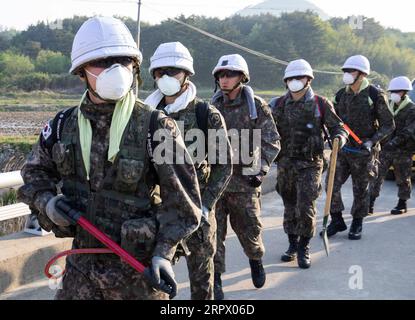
380,266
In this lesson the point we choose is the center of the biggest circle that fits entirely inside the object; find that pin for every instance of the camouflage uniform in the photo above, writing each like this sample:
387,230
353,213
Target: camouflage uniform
117,199
213,179
369,120
400,156
300,162
241,201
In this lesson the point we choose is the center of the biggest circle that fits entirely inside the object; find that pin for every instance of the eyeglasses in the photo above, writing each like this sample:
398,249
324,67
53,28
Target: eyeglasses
295,78
228,74
108,62
349,70
171,72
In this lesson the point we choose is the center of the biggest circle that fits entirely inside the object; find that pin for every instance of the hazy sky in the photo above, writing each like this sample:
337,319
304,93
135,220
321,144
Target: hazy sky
21,13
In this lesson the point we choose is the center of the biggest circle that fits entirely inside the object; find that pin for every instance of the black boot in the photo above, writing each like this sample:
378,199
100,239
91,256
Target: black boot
291,253
336,225
257,273
355,232
303,253
217,287
400,208
371,206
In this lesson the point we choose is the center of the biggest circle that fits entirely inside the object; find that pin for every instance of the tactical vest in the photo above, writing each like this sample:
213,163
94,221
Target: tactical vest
195,116
358,113
301,136
127,187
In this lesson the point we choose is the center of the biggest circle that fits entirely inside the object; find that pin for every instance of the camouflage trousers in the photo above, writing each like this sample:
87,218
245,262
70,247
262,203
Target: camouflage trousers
202,247
363,169
106,281
402,168
244,210
299,185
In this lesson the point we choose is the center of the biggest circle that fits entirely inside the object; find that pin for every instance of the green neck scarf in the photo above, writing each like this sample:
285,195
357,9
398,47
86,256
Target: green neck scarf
402,106
120,118
365,83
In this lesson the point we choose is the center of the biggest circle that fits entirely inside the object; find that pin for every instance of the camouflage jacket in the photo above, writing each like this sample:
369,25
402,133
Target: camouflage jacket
237,118
404,134
177,217
301,125
369,120
215,170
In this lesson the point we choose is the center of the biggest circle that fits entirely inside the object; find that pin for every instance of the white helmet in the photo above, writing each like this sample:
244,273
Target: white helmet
172,54
400,84
358,62
298,68
234,62
100,38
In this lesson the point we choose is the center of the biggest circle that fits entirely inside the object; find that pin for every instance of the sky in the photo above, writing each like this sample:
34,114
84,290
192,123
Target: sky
19,14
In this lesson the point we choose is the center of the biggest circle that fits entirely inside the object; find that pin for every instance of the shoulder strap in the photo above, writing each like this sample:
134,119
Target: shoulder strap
321,106
338,94
373,93
202,111
151,129
57,126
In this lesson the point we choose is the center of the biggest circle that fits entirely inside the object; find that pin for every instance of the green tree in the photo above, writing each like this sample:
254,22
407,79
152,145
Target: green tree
52,62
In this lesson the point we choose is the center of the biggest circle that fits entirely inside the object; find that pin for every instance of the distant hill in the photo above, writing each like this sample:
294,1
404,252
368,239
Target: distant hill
277,7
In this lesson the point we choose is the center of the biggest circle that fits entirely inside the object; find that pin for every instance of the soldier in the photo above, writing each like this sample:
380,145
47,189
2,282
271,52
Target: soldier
300,116
99,154
364,108
171,66
398,149
243,112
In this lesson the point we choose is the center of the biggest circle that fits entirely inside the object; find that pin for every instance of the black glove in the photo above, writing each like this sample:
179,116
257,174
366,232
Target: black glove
161,276
57,215
367,145
256,181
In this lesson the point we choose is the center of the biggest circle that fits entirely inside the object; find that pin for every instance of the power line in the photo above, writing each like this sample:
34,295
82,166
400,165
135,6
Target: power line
235,45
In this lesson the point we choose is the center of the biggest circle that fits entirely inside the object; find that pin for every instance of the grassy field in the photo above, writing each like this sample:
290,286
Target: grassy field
22,143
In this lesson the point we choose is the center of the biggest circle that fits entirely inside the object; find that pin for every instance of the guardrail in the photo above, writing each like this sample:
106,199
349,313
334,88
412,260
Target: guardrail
11,180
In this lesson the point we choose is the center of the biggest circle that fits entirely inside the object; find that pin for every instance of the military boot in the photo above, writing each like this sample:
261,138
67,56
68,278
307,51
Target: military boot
291,253
303,253
355,232
371,206
257,273
217,287
337,224
400,208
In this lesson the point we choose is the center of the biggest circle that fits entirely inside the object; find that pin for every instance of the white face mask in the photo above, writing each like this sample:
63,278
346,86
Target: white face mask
295,85
114,82
169,86
348,78
396,98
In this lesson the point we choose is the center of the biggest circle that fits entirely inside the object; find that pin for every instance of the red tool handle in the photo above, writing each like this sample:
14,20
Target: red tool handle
124,255
354,136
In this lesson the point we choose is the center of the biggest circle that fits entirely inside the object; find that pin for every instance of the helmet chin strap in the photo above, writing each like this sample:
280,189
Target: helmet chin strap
229,91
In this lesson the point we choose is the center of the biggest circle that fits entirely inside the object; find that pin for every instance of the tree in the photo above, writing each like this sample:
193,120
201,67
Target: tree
52,62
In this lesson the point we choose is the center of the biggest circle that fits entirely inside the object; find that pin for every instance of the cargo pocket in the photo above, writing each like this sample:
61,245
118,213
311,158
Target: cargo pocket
128,174
138,237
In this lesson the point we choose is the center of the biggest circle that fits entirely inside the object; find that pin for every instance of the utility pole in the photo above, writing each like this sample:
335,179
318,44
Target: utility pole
138,36
138,23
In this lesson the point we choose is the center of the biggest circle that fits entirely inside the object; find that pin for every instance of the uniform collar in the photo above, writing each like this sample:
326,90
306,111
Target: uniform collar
308,96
